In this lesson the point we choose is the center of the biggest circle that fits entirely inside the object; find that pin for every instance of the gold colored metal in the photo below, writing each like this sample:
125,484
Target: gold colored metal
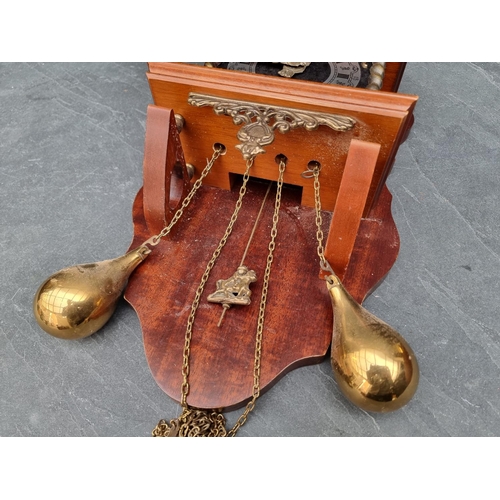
190,170
214,421
179,122
219,150
376,78
372,363
77,301
291,69
256,223
263,302
236,290
201,286
193,423
257,131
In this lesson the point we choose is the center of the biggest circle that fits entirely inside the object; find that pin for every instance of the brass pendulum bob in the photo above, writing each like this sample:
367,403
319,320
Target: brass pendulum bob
373,365
77,301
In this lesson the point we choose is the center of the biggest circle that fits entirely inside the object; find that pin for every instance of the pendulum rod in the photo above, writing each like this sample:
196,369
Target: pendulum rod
256,223
204,279
235,290
196,422
262,305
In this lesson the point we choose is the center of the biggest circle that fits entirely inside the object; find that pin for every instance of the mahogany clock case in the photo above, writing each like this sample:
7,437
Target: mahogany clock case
72,150
355,163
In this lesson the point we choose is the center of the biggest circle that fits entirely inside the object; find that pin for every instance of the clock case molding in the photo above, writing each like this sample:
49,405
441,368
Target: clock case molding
362,241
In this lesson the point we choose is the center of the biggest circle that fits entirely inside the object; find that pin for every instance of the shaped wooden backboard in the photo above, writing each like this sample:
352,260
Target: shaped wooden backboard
298,320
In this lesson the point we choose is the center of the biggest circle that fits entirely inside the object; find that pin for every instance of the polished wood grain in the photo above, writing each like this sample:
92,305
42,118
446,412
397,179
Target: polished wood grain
351,200
382,117
166,179
393,73
298,320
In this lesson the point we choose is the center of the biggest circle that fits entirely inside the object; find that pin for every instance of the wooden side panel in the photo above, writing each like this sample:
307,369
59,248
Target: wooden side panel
380,117
393,74
298,319
354,188
163,155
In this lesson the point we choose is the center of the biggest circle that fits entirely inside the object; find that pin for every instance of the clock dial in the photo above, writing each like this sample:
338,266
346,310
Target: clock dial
351,74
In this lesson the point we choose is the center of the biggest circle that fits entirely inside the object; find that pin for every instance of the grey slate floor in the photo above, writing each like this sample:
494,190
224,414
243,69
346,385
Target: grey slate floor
71,146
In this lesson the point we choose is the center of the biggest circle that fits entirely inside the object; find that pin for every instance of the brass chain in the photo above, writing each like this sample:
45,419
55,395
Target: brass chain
193,423
319,220
219,150
204,279
262,306
196,422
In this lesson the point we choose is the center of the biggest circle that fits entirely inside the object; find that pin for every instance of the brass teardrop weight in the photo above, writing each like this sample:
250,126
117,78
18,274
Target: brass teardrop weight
77,301
373,365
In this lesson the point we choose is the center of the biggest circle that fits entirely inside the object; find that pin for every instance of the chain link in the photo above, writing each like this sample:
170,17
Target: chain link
193,423
262,306
324,264
201,287
219,150
196,422
212,422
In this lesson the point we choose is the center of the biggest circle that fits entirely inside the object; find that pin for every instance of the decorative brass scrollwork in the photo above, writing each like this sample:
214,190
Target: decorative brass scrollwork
291,69
257,130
